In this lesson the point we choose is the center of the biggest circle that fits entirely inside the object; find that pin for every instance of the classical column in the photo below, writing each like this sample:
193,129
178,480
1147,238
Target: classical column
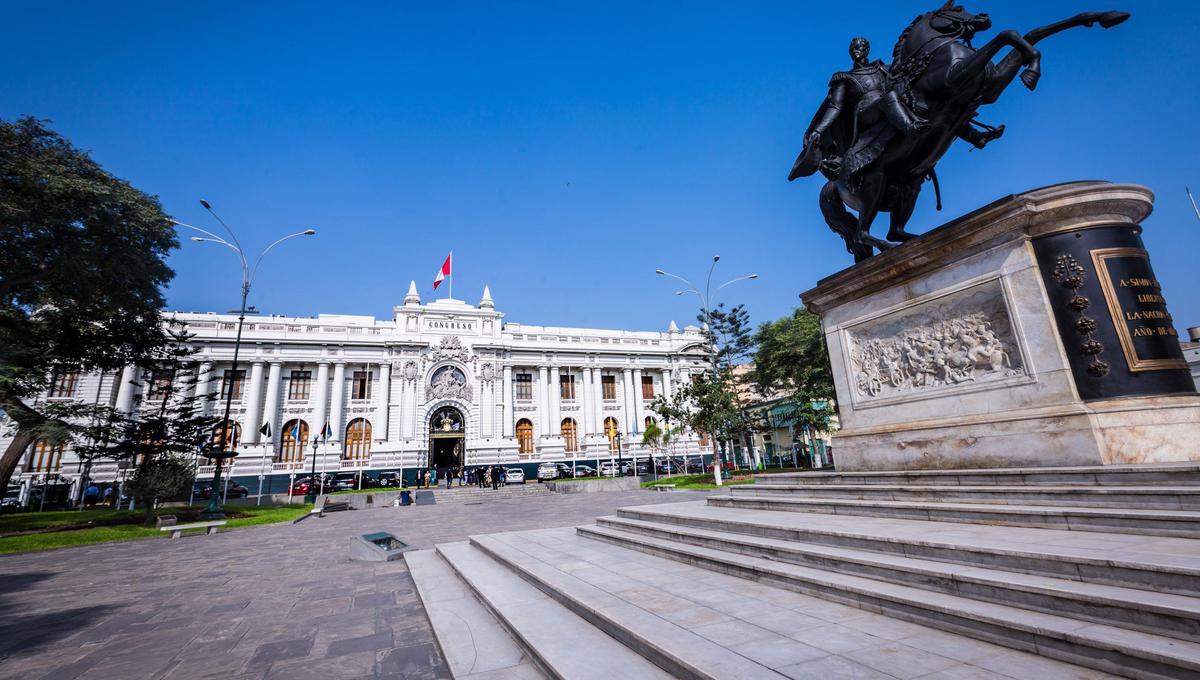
543,402
271,403
639,406
320,399
586,414
627,415
203,386
597,400
555,400
507,400
250,419
126,389
666,383
385,398
336,400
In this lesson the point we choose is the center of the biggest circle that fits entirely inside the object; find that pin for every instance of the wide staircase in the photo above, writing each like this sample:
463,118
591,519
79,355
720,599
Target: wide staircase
1074,568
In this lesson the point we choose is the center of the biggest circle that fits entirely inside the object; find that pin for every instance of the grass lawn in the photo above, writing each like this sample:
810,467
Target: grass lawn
64,528
704,481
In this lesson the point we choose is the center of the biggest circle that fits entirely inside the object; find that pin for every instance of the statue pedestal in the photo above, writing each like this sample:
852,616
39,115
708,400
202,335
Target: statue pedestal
1031,332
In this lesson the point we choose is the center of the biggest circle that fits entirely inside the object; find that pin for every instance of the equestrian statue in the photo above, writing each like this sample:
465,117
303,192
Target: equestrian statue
881,130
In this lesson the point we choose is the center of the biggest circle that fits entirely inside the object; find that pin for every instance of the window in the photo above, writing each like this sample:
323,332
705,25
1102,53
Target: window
524,436
233,436
570,439
44,457
160,384
233,380
360,385
299,384
291,442
704,440
63,384
566,386
611,431
358,440
523,382
647,387
608,386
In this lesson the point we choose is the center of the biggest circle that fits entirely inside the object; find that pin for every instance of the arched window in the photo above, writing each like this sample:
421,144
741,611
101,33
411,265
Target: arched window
610,430
358,440
291,441
651,421
44,457
524,436
232,436
570,439
703,440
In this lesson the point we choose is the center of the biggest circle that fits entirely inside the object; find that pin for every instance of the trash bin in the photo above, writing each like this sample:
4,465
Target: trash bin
406,497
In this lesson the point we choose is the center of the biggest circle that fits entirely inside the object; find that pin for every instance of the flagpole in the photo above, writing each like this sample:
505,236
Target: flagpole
451,275
1193,200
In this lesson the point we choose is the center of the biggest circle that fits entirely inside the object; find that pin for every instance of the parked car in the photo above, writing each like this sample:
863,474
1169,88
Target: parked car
343,481
584,471
549,471
564,470
642,467
233,490
301,486
12,498
728,466
514,475
390,480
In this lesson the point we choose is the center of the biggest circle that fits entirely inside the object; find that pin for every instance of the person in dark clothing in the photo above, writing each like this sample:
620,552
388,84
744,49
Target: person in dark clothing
495,477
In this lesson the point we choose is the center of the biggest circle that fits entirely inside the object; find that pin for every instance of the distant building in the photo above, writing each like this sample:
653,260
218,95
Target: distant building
780,440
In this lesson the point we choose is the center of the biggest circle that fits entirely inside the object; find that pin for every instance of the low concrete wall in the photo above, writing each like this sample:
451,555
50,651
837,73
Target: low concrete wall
594,485
363,500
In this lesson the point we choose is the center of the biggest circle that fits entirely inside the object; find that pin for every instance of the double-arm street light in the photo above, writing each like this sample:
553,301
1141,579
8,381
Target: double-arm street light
213,511
705,298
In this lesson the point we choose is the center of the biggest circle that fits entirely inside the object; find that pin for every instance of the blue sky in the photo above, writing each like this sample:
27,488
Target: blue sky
563,150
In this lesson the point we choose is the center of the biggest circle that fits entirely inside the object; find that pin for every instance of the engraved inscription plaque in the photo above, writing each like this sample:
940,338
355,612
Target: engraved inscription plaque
1138,309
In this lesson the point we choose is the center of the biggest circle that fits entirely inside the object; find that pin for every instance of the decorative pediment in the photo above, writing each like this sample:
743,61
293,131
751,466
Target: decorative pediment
448,382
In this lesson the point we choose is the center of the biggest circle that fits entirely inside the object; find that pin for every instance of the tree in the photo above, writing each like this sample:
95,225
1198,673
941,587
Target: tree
792,359
82,266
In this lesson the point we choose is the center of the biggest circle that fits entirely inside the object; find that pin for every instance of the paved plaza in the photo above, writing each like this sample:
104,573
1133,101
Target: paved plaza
279,601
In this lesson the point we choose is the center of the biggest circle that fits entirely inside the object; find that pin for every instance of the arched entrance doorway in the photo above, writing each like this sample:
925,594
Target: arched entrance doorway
447,438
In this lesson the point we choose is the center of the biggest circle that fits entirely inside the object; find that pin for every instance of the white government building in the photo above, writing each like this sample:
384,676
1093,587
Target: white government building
442,384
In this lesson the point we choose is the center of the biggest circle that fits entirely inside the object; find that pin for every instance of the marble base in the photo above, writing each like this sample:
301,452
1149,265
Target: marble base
946,352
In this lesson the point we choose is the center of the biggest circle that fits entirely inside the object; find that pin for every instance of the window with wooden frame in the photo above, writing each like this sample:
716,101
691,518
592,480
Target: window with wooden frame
523,385
233,380
291,441
160,384
63,384
608,386
233,435
647,387
524,436
566,386
360,385
611,429
570,435
358,440
299,383
44,457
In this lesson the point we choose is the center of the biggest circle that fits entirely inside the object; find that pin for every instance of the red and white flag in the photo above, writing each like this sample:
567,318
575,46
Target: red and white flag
444,271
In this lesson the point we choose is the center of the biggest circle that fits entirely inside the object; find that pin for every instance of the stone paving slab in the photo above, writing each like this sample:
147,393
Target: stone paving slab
268,601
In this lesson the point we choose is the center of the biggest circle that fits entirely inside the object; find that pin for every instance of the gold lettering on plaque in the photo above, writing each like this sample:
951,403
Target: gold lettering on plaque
1144,314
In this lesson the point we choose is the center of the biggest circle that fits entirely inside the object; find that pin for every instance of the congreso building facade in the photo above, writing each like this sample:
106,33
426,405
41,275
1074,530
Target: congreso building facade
439,384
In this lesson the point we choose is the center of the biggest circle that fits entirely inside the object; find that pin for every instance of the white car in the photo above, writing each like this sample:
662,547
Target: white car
514,476
547,471
610,469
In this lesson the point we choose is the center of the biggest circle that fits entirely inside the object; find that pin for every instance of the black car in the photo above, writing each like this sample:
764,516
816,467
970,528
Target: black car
390,480
642,467
234,490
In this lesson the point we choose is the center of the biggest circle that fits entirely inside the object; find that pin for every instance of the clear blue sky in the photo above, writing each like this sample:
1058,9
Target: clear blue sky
563,150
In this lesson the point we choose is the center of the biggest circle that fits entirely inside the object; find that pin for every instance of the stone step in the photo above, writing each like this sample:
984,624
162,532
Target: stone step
1158,613
1123,496
562,644
476,646
681,652
1162,564
1183,523
1145,474
1102,647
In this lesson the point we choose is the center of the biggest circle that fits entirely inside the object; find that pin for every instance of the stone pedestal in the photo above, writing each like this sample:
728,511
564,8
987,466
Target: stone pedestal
1030,332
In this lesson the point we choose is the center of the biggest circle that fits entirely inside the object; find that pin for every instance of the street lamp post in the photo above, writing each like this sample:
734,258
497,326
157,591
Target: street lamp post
311,496
213,511
620,455
705,298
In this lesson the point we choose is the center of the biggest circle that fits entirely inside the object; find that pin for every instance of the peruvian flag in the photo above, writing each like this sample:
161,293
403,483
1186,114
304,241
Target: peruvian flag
444,271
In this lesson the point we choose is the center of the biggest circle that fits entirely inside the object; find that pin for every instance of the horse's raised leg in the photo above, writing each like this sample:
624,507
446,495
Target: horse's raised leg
966,70
1010,65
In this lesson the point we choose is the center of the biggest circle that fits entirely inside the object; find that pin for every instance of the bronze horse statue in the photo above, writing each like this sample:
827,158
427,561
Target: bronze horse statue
882,130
